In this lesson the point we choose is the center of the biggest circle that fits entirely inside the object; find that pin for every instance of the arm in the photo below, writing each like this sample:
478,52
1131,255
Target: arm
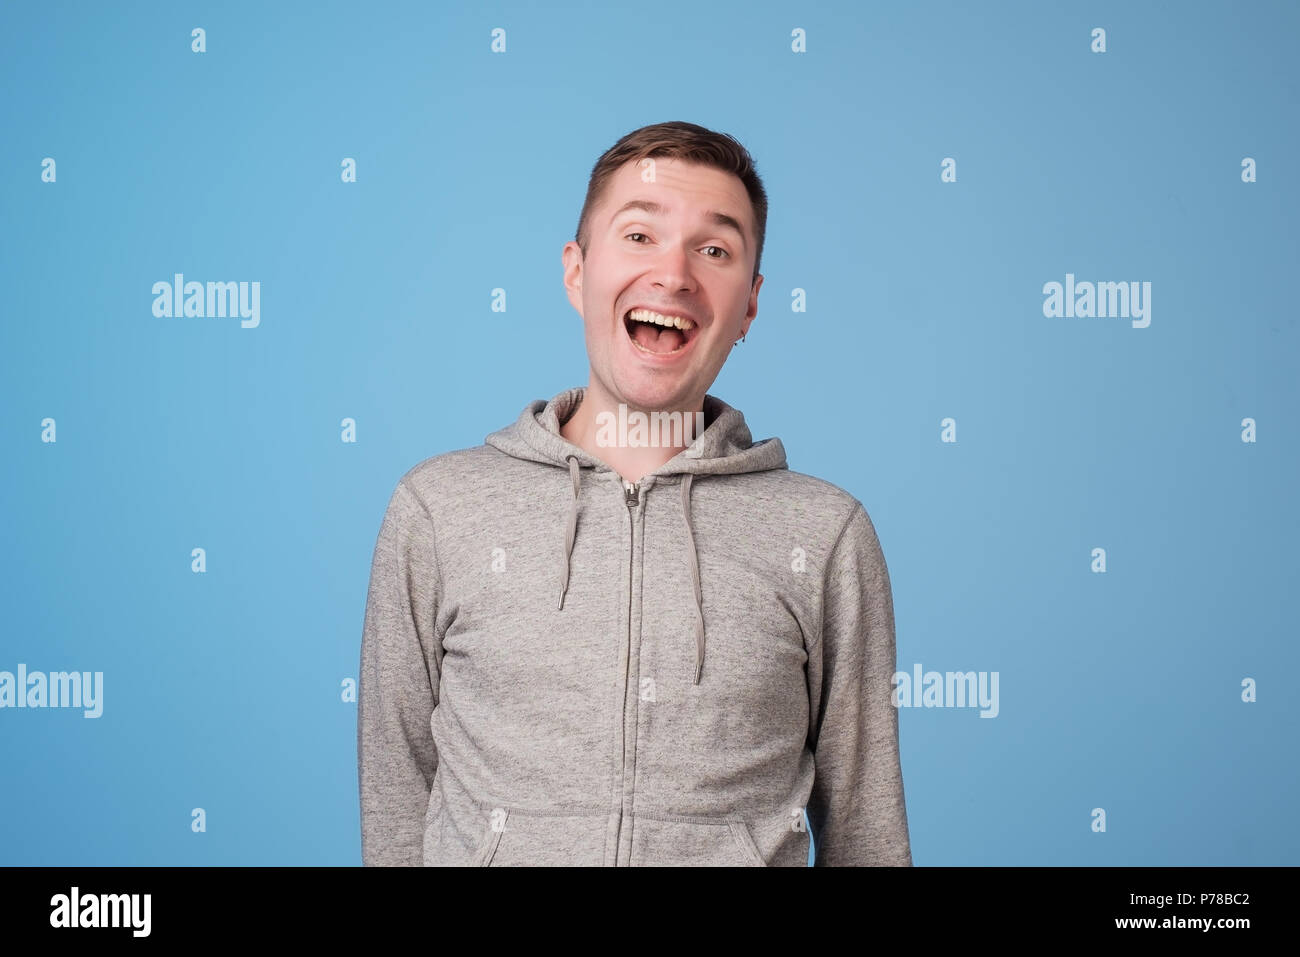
396,756
857,809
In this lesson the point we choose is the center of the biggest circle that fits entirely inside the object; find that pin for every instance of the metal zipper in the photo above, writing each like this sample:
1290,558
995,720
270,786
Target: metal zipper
630,498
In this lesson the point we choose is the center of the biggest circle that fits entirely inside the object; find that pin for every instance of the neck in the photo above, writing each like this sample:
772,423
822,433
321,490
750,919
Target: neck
632,441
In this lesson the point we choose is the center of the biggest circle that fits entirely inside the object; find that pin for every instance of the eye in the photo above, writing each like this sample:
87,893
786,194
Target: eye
724,253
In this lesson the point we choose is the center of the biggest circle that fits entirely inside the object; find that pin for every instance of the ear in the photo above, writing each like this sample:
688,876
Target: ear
572,260
752,310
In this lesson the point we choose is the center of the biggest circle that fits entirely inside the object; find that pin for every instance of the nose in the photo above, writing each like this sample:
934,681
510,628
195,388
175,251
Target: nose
672,270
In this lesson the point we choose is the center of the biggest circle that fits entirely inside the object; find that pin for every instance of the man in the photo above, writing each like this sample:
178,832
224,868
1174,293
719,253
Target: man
585,646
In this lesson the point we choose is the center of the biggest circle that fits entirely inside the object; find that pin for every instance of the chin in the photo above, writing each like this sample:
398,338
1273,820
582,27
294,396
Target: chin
649,393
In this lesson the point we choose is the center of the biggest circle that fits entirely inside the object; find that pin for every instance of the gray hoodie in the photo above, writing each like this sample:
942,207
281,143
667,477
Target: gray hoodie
561,668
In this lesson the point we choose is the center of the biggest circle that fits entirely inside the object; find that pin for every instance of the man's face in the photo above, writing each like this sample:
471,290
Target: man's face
680,260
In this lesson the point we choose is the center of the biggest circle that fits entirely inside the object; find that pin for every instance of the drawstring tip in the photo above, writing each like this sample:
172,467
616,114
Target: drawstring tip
699,665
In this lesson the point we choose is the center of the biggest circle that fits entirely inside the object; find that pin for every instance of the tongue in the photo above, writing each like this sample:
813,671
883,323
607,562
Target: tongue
657,338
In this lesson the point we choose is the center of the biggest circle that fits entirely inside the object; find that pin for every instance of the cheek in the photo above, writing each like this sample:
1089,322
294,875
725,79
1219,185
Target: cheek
603,336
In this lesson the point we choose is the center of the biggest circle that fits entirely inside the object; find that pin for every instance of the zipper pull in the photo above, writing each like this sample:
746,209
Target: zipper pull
630,494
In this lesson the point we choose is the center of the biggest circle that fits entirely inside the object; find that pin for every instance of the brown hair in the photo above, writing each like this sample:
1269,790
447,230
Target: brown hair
691,144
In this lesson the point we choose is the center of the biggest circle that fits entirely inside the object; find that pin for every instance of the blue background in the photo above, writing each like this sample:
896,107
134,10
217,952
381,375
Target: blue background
222,690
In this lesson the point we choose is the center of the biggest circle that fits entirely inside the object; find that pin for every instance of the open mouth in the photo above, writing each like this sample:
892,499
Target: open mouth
659,334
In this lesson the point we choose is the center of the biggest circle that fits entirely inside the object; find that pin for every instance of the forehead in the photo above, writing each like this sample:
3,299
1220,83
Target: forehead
679,188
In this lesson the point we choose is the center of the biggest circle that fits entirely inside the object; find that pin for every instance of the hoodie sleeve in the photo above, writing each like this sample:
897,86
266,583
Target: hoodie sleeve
856,809
396,755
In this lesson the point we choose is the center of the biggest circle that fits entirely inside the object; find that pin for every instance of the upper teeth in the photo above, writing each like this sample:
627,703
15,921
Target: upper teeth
646,315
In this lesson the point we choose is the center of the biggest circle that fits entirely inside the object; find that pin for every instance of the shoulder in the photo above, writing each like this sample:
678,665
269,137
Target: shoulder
814,501
812,490
450,475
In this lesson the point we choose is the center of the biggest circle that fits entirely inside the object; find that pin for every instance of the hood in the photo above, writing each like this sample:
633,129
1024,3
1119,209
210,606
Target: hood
725,447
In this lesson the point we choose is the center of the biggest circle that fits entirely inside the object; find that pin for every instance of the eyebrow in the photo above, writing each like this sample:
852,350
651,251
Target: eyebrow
716,217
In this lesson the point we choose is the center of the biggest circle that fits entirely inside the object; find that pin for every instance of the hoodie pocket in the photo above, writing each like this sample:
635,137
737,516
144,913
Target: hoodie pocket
667,841
746,838
561,838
